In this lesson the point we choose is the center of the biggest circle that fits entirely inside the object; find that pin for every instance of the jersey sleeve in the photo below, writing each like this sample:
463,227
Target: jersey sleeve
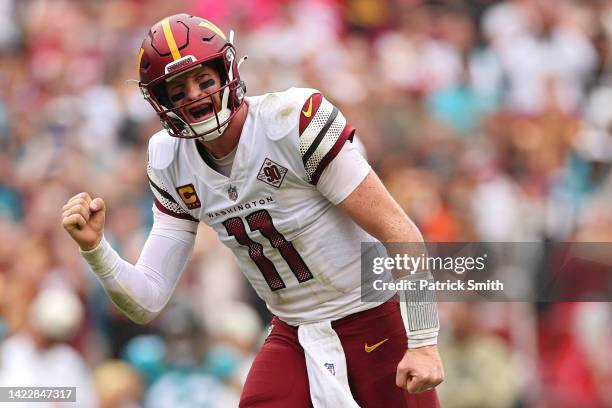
342,176
162,198
323,131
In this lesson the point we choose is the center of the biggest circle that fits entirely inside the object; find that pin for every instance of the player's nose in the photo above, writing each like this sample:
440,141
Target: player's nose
193,90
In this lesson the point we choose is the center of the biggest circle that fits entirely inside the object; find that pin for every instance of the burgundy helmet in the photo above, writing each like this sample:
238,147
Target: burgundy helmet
178,44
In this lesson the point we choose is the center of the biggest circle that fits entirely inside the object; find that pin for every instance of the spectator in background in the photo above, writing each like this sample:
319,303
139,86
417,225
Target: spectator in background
478,365
38,355
184,382
117,385
545,52
235,335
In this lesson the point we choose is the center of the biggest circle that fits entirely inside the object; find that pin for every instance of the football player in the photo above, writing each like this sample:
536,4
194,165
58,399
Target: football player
279,179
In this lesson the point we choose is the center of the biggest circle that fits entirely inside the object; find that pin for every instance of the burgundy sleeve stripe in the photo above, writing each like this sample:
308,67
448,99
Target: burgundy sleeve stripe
165,202
347,134
182,216
162,192
315,143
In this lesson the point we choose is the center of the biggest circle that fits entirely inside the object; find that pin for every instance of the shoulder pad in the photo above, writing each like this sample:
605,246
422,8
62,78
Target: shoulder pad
280,111
301,94
162,149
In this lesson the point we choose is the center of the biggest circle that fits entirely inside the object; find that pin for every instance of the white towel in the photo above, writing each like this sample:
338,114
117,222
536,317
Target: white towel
326,366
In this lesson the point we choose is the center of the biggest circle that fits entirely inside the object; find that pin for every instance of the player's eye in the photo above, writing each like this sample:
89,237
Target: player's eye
207,84
177,96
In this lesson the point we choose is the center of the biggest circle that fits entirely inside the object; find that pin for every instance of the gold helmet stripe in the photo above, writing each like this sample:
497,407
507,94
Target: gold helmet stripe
213,28
140,56
170,39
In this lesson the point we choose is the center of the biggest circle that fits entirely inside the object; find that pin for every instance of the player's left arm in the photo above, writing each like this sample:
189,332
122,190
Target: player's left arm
350,184
371,206
334,165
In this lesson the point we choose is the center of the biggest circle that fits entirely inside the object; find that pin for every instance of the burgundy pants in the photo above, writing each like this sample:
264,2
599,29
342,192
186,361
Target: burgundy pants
278,377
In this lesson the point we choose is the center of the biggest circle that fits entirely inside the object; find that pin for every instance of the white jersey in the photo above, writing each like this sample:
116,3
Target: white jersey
301,253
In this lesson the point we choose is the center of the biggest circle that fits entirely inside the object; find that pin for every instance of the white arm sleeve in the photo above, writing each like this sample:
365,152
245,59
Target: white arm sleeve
141,291
420,313
345,172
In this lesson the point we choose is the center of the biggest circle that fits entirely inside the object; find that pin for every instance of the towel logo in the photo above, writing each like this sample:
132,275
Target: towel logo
369,349
331,368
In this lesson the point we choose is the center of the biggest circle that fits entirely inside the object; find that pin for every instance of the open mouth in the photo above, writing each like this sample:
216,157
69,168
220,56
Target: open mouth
200,112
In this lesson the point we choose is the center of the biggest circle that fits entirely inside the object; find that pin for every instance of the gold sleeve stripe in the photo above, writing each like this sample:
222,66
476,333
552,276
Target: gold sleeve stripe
213,28
140,57
170,39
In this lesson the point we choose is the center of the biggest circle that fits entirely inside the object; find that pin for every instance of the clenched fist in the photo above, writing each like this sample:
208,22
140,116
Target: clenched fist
83,218
420,370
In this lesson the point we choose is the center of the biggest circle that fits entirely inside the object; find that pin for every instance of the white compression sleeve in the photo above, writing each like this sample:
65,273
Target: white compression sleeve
420,313
141,291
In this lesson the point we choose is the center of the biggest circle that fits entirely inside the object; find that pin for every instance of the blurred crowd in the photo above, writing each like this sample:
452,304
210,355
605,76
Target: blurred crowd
487,120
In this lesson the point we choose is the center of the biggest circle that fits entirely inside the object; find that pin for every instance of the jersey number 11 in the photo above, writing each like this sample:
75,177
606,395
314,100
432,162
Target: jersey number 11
262,221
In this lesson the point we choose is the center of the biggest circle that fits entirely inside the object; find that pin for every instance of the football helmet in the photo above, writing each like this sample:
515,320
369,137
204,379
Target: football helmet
178,44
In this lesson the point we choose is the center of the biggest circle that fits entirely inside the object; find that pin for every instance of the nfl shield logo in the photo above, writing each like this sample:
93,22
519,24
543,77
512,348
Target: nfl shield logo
331,368
232,192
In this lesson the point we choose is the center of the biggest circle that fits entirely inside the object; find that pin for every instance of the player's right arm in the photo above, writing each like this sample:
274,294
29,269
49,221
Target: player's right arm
142,290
